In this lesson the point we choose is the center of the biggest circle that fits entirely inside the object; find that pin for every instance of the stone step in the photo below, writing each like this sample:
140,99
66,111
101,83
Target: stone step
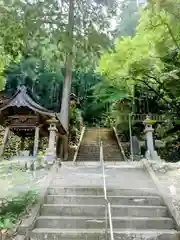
54,190
109,159
99,223
111,148
87,159
91,147
97,234
97,200
89,156
84,154
112,154
99,210
88,153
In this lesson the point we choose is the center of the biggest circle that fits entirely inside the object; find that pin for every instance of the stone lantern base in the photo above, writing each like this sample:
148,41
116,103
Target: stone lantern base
50,157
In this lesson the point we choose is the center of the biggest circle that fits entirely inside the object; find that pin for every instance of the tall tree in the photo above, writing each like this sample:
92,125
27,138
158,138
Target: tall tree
68,76
70,33
68,66
128,18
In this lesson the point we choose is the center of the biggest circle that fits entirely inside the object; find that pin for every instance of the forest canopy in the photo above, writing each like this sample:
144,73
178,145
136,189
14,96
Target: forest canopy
58,47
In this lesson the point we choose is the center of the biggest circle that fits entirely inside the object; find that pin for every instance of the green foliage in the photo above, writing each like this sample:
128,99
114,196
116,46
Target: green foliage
142,60
127,19
75,124
11,210
40,29
43,34
147,65
108,92
45,83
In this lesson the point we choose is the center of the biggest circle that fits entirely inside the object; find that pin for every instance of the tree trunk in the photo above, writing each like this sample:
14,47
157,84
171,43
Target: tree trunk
68,76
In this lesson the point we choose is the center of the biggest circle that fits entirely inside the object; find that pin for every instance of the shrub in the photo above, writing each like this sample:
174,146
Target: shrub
11,210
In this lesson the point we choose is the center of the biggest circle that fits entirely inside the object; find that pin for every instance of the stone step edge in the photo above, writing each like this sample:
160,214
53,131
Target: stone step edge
97,206
102,196
139,191
99,188
125,218
57,230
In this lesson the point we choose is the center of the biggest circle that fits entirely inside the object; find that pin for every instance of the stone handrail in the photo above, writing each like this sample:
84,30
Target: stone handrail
108,214
166,198
79,144
119,144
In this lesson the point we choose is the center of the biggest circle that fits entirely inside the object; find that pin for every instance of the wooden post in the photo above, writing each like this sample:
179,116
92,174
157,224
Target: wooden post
36,141
5,140
61,150
22,143
65,144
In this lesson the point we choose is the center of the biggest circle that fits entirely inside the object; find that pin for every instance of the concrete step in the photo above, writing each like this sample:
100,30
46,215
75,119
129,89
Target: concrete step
99,223
54,190
99,210
97,234
97,200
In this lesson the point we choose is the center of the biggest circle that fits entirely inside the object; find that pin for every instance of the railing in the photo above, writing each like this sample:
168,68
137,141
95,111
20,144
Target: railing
120,145
142,117
79,144
108,215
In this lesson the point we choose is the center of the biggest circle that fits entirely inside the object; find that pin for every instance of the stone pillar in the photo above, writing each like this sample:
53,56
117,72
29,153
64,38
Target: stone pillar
5,140
36,141
151,153
50,156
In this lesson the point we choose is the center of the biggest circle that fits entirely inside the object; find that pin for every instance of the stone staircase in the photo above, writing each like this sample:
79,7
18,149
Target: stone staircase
111,150
71,213
90,151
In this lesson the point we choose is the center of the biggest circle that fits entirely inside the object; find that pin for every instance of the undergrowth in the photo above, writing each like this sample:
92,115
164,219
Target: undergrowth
11,210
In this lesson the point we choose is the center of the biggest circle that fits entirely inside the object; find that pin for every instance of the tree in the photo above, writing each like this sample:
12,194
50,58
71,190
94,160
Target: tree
149,62
70,33
127,19
89,33
138,60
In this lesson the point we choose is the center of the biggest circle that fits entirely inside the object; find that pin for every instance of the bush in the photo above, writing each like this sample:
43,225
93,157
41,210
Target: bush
11,210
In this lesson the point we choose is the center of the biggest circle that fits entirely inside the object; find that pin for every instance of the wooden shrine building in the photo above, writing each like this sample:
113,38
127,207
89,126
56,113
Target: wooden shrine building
22,115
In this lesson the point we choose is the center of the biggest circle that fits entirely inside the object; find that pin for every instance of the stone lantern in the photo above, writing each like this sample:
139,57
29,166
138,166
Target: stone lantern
50,156
151,153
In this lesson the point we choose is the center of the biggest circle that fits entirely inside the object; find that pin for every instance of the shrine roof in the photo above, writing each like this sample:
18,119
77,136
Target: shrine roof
23,98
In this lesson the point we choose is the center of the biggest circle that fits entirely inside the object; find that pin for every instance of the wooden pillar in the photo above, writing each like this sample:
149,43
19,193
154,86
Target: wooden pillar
22,143
65,147
61,150
5,140
58,145
36,141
